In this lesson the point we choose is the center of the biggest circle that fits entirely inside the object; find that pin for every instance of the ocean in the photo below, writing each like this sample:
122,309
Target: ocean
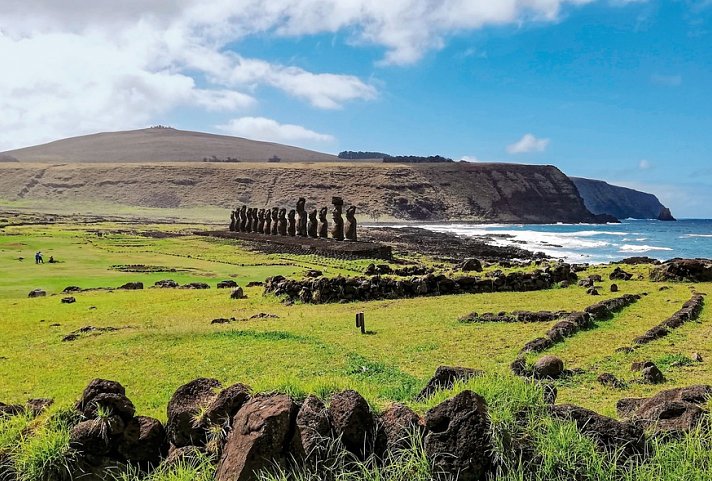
598,243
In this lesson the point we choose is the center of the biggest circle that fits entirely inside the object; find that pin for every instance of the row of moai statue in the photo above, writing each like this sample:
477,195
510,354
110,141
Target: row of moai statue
297,222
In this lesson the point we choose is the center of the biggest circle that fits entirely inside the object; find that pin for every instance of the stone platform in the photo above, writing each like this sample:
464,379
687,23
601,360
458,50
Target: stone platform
307,245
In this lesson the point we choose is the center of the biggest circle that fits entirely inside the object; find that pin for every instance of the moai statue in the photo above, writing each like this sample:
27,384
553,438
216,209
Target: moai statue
323,223
232,221
243,219
261,221
291,223
251,227
268,222
275,220
282,226
337,231
301,218
351,223
312,227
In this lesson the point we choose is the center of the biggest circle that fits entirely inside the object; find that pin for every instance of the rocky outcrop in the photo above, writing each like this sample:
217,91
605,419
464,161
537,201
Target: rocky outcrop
623,203
683,270
481,192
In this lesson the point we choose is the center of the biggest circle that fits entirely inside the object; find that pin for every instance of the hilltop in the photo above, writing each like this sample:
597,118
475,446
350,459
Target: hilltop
161,144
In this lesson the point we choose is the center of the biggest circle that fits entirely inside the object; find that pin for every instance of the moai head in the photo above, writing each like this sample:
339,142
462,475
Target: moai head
300,204
350,212
292,214
243,211
322,213
261,214
312,216
282,213
275,213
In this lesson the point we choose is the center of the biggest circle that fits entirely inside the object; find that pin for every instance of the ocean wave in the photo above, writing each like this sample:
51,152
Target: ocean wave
641,248
696,235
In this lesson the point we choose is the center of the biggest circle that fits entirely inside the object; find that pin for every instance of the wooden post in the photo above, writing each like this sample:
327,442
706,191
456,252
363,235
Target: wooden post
361,322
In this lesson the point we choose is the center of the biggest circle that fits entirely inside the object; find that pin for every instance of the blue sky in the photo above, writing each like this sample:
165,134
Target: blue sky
616,90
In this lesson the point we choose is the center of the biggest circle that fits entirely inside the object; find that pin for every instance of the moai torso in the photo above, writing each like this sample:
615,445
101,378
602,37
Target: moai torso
282,224
275,220
268,222
350,232
301,218
243,219
312,227
232,221
323,223
261,221
250,219
291,223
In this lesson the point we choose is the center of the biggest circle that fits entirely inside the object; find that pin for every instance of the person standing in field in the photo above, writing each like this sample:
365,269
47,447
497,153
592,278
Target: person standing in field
38,258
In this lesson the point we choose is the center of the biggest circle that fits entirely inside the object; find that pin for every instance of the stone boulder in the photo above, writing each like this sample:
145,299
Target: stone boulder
353,420
548,367
457,441
132,286
68,300
143,441
398,424
108,394
313,431
259,439
652,374
38,405
195,285
470,265
227,403
37,293
237,293
673,411
7,410
227,284
166,284
683,270
619,274
445,377
607,432
183,428
93,438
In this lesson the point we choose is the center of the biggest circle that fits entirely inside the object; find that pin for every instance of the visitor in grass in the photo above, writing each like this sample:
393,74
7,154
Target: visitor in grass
38,258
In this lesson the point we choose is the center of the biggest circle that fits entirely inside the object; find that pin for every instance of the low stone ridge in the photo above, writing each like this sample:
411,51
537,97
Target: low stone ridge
445,377
690,311
132,286
74,335
37,293
683,270
607,432
516,316
674,411
577,321
325,290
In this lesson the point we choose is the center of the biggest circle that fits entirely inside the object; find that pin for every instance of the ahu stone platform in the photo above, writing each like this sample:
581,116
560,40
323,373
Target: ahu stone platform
307,245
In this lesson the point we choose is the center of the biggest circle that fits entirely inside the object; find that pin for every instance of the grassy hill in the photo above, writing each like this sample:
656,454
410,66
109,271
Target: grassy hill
162,145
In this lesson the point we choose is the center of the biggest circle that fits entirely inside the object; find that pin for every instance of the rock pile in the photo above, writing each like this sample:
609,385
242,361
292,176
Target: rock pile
683,270
515,316
324,290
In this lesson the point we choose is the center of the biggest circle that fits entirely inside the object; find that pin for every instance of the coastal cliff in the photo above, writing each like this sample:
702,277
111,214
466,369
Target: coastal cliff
621,202
477,192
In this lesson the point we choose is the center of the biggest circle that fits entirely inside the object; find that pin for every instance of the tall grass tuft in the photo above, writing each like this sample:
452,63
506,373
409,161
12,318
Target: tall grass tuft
197,467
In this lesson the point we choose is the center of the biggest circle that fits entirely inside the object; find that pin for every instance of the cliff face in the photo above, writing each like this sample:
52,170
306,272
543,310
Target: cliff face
620,202
431,192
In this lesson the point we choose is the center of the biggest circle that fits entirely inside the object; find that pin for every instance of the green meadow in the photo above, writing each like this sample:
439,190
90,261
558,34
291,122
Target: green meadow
165,338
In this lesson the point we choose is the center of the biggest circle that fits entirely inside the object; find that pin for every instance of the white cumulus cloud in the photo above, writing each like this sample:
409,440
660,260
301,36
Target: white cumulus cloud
528,143
261,128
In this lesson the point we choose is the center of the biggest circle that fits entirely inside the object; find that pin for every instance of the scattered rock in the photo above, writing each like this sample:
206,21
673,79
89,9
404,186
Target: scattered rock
195,285
68,300
238,293
74,335
398,424
264,315
457,442
255,284
132,286
696,357
619,274
71,289
91,437
614,287
673,411
38,406
227,284
609,380
259,438
228,402
37,293
445,378
471,264
651,374
166,284
548,367
183,428
223,320
353,421
592,291
313,273
11,410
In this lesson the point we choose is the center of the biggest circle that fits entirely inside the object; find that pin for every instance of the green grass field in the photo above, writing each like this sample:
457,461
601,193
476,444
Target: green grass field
165,337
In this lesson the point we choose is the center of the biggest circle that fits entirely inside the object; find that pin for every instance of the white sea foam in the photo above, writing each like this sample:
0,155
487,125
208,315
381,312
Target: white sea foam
697,235
642,248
